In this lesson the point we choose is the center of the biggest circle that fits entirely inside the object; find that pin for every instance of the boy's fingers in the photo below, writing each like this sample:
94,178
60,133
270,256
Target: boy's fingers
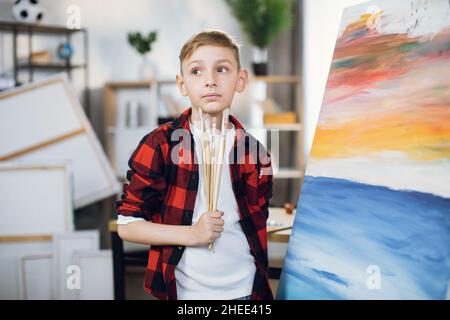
216,214
209,214
212,214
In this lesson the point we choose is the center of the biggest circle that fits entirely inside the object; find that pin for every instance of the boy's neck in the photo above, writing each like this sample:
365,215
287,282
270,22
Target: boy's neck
195,118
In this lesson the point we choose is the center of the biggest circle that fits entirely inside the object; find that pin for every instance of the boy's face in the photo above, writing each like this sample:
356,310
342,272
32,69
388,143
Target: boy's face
210,77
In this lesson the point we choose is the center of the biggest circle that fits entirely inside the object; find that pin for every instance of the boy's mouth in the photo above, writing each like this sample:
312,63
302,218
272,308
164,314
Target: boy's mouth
211,96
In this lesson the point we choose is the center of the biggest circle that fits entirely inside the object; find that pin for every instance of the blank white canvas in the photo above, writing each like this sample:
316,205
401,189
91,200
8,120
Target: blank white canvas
91,179
9,265
24,114
64,246
36,277
96,274
29,117
36,199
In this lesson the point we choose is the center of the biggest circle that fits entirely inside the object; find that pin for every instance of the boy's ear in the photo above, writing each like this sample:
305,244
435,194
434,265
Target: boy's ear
242,80
181,85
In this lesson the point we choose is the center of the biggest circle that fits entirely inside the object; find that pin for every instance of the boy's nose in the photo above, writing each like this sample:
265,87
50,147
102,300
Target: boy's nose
210,81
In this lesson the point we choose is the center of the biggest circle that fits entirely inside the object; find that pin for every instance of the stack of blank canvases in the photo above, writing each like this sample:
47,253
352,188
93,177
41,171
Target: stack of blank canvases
50,164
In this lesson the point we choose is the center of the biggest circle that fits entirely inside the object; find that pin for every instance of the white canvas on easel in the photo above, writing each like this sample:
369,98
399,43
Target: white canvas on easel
96,274
36,199
35,277
64,246
45,121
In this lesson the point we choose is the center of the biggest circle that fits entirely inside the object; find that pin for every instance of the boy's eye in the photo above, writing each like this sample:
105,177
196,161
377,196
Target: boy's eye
222,69
195,71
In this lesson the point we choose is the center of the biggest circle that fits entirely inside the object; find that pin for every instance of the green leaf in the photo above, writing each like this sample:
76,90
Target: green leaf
140,43
262,20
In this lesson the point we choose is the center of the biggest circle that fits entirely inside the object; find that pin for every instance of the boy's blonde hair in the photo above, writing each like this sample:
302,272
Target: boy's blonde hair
209,37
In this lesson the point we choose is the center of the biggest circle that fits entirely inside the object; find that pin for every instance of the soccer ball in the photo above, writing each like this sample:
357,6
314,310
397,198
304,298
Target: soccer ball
27,11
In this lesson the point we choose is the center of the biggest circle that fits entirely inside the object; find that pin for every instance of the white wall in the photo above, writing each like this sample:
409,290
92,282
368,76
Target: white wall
108,21
111,58
321,20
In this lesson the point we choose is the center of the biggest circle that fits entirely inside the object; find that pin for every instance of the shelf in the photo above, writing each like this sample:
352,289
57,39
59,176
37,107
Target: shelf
28,64
288,173
284,127
277,79
35,28
55,66
137,84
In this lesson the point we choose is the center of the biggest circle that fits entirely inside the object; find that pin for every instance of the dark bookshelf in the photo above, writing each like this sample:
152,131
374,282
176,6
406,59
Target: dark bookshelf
31,30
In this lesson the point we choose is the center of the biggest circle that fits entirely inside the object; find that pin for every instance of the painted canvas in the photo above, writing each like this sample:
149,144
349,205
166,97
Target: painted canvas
373,218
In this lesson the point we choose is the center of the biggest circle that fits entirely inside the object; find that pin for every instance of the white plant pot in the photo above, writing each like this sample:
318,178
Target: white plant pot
259,60
147,69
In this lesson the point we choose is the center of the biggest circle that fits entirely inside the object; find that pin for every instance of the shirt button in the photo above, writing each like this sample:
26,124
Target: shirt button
180,247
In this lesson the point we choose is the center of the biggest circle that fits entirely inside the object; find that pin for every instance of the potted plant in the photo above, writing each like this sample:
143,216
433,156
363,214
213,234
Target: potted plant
261,21
143,45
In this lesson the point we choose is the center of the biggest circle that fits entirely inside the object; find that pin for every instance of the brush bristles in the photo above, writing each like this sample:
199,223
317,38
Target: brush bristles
213,159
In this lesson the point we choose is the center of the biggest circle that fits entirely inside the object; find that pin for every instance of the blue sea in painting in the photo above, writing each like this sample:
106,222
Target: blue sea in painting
357,241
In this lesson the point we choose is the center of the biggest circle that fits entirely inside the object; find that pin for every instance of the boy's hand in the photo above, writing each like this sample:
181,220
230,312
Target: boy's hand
208,228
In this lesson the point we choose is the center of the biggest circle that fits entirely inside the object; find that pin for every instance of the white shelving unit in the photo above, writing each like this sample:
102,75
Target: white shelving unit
259,87
121,140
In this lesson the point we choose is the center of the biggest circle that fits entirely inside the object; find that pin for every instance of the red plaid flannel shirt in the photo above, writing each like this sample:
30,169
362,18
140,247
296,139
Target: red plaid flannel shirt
162,191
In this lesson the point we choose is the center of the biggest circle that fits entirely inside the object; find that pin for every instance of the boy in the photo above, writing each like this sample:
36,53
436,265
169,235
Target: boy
164,203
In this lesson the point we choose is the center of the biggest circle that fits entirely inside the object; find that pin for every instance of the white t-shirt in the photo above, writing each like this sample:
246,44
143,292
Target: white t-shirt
229,272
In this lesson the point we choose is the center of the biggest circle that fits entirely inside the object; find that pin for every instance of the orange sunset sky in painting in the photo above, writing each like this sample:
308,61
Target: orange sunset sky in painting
386,92
385,117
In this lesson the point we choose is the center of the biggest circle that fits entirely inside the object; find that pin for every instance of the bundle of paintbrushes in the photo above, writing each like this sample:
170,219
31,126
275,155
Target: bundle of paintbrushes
213,148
